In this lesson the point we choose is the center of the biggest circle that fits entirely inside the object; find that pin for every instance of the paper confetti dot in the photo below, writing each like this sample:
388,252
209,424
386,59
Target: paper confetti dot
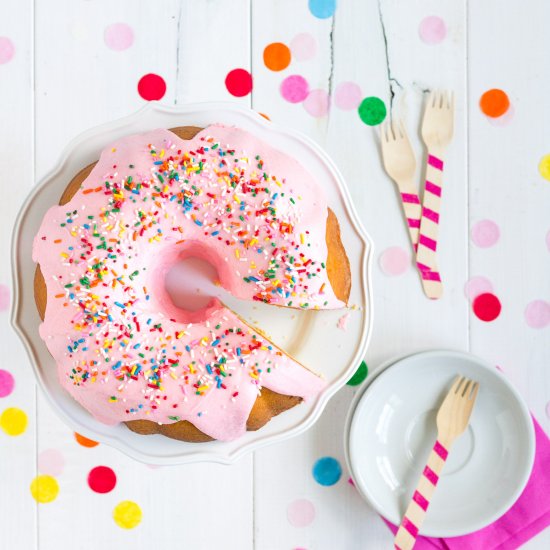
84,441
327,471
537,314
101,479
238,82
7,50
432,29
476,286
487,307
347,96
372,111
485,233
44,488
151,87
359,376
294,88
4,297
494,103
13,421
276,56
394,261
127,514
317,103
544,167
303,47
51,462
322,9
300,513
6,383
118,36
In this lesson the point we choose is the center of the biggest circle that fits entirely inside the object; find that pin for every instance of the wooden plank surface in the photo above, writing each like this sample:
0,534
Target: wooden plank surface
63,79
17,453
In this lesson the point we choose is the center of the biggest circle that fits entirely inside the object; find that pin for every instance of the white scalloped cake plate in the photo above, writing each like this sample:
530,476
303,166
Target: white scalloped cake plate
312,337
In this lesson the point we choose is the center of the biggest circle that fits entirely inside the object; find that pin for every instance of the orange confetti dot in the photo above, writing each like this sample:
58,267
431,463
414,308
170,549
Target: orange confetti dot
265,116
84,441
494,103
277,56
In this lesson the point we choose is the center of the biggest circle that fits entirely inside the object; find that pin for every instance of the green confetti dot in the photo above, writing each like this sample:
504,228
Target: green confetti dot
372,111
360,374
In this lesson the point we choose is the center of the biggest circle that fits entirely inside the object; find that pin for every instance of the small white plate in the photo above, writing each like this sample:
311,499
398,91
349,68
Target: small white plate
391,429
310,336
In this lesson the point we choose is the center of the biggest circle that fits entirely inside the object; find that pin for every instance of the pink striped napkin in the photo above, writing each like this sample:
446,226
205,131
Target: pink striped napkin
527,517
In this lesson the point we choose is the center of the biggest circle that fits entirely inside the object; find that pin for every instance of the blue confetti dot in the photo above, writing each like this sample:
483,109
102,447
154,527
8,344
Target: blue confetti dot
322,9
327,471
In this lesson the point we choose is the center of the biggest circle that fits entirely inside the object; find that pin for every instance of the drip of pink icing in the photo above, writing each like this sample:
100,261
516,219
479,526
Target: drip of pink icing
123,349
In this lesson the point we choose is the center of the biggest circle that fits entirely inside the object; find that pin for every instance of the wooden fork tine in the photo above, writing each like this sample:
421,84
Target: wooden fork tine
395,129
464,391
456,383
460,386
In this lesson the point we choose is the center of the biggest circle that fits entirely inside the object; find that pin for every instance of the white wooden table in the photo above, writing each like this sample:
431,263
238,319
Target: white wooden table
64,79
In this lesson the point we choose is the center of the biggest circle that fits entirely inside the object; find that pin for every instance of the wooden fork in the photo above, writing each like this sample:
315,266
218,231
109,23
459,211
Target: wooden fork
400,164
452,419
437,132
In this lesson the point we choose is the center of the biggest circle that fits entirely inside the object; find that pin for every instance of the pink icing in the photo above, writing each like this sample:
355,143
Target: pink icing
123,349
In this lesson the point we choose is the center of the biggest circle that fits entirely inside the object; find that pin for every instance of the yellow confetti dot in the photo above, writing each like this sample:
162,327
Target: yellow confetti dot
44,488
13,421
127,514
544,167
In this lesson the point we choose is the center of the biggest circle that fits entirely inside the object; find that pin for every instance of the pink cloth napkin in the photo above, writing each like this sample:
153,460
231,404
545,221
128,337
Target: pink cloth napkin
527,517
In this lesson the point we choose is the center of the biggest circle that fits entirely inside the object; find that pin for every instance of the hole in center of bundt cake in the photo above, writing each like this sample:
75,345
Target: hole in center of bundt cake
183,281
190,283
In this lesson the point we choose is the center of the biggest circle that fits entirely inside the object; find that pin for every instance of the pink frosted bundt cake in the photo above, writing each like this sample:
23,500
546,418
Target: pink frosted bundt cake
123,350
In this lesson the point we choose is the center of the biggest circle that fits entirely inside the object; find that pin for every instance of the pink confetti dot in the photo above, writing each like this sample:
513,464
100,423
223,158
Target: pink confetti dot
118,36
239,82
294,88
151,87
432,29
7,50
347,96
537,314
487,307
303,47
6,383
51,462
300,513
485,233
317,103
476,286
394,261
4,297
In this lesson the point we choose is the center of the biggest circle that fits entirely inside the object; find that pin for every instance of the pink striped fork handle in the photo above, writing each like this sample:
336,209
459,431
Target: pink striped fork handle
429,225
400,164
452,419
407,533
437,133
